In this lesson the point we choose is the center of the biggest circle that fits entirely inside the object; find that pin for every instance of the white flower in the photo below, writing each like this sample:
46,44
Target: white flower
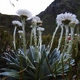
35,19
18,23
75,34
40,29
69,34
66,18
24,12
20,31
74,21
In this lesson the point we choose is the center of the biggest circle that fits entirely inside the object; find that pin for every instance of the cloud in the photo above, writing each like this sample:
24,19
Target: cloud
34,6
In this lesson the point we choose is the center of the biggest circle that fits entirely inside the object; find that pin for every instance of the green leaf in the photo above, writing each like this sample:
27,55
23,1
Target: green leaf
12,58
31,74
31,53
22,60
14,66
10,73
54,56
47,77
46,68
7,59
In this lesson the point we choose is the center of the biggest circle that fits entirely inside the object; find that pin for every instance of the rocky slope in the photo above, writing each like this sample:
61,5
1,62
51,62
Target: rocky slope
56,7
6,22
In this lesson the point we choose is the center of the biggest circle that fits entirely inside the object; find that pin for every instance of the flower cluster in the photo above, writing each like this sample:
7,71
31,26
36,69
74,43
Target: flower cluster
16,23
20,31
23,12
35,20
66,18
40,29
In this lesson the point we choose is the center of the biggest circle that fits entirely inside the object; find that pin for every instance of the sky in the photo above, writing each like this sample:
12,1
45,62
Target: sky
34,6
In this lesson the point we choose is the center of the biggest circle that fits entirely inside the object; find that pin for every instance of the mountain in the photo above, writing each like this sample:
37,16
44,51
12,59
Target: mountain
48,16
6,22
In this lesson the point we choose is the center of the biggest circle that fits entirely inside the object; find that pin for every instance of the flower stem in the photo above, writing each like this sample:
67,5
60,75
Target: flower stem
71,42
66,38
24,40
31,37
49,68
62,65
35,38
60,37
14,37
40,43
24,43
53,38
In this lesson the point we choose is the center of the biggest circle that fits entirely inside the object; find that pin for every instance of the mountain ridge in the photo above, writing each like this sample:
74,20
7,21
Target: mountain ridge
48,16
